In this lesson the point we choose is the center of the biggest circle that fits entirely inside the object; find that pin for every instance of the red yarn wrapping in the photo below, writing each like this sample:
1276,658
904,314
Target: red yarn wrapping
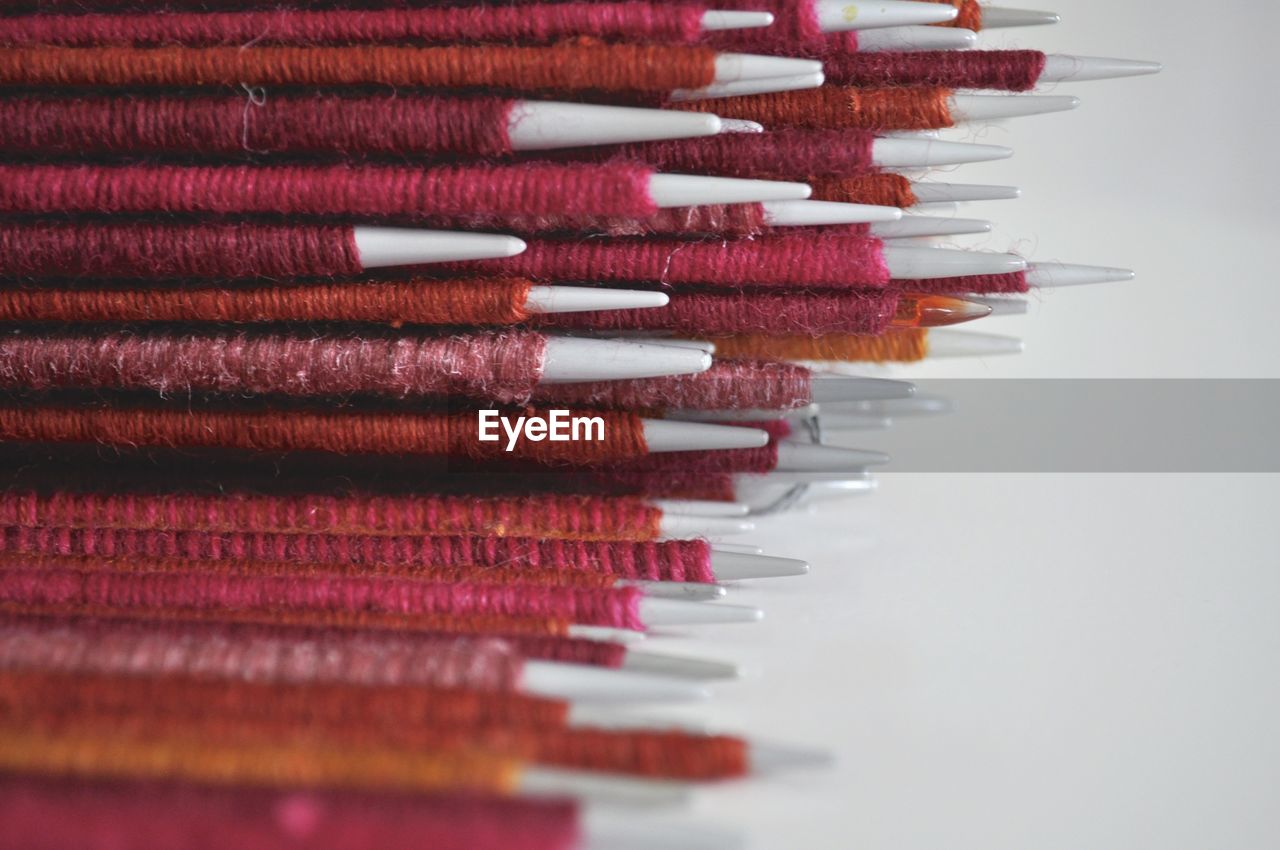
437,435
982,284
279,123
727,385
812,312
610,189
55,814
616,608
781,260
785,154
503,367
531,24
669,560
156,251
534,515
837,107
1004,70
573,67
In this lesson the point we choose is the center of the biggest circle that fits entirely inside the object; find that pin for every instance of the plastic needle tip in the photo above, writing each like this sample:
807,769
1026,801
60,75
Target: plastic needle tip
986,107
737,566
679,612
679,667
998,17
810,457
716,19
833,388
1059,68
935,311
767,758
1048,275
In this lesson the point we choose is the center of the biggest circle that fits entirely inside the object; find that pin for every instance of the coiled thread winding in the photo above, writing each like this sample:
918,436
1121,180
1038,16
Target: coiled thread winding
836,107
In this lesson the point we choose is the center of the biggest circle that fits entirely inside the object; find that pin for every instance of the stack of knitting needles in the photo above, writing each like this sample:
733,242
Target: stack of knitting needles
377,375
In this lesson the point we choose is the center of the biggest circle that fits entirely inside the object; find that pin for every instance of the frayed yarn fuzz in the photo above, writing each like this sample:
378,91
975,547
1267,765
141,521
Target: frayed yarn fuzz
535,189
452,435
836,107
899,346
563,68
414,301
139,250
776,260
809,312
532,24
412,125
1000,70
727,385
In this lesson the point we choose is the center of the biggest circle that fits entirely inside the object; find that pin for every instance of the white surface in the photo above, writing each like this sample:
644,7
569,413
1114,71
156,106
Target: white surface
916,38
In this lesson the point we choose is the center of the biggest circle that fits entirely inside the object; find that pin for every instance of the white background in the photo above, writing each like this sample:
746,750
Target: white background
1006,662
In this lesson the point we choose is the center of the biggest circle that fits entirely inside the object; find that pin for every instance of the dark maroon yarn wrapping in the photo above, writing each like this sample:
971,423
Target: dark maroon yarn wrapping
783,154
1003,70
727,385
618,189
817,260
981,284
157,251
277,123
813,312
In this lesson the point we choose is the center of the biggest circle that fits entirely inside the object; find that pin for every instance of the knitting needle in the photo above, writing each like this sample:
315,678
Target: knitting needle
1052,275
996,17
986,107
662,435
907,39
691,590
1060,68
574,359
676,526
579,299
919,405
580,682
677,666
1002,305
912,226
696,507
534,125
714,20
900,152
947,343
814,457
734,67
819,213
843,15
691,190
933,193
926,263
740,88
826,387
380,247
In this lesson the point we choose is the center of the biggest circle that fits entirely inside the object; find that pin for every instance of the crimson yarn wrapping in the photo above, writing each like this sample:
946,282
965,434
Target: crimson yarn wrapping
727,385
1003,70
809,312
616,608
775,260
982,284
667,560
528,24
503,367
412,125
157,251
533,189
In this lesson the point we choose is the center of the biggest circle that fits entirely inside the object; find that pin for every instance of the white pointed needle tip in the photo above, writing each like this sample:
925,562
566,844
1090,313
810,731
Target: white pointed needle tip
913,226
951,343
576,359
381,247
928,263
844,15
557,680
714,20
947,193
824,213
692,190
662,435
661,664
988,107
739,566
918,153
1047,275
733,67
835,388
544,125
657,613
769,758
585,299
690,590
908,39
998,17
1059,68
811,457
741,88
677,527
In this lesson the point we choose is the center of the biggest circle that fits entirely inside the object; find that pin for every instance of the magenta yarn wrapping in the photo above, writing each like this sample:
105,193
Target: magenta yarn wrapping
727,385
810,312
782,154
616,608
668,560
41,813
149,251
1001,70
981,284
484,664
528,24
502,367
819,260
574,189
410,125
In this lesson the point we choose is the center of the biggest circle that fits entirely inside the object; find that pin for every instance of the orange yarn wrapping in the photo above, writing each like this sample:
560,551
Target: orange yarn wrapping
33,696
882,190
836,107
580,66
452,575
542,515
436,434
479,301
903,346
80,755
970,17
441,624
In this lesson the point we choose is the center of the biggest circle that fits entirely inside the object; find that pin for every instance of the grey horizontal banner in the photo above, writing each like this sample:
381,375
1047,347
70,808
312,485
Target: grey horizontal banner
1084,426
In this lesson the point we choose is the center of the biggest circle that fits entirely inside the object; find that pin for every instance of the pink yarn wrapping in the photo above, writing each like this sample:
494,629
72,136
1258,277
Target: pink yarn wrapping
612,189
56,814
157,251
503,367
783,154
812,312
530,24
982,284
1004,70
668,560
781,260
411,125
727,385
616,608
484,664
